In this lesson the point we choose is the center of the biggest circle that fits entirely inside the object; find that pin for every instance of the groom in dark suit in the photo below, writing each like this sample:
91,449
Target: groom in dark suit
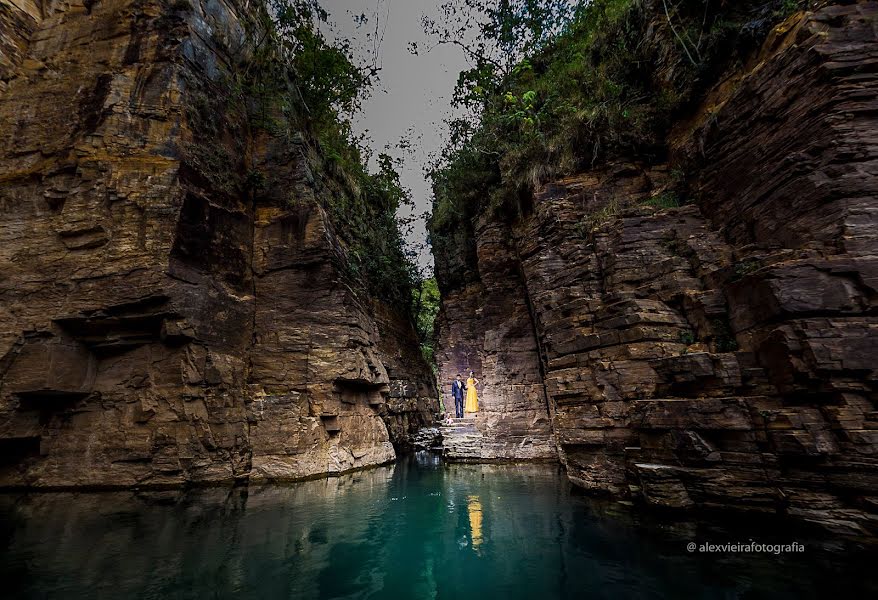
457,394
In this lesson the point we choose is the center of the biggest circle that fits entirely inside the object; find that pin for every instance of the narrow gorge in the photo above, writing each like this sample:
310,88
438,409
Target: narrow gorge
190,292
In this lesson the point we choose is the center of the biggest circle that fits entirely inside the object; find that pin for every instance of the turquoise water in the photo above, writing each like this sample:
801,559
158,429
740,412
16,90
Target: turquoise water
417,529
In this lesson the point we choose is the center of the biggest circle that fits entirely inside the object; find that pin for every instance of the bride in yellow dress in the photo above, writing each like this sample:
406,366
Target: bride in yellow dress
472,398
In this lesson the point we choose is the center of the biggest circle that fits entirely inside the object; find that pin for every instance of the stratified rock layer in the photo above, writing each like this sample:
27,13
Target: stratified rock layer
721,354
161,320
486,328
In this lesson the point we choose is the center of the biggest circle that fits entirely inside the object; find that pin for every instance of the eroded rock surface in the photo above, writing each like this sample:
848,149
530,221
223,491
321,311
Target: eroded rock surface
720,354
163,321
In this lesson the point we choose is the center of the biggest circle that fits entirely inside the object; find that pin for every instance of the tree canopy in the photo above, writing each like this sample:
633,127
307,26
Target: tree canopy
559,86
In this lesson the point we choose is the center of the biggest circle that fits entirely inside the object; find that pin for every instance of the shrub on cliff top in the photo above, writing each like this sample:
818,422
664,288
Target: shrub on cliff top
298,84
591,81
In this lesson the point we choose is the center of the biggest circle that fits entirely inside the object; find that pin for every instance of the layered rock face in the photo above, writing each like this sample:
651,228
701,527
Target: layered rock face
486,327
720,354
161,320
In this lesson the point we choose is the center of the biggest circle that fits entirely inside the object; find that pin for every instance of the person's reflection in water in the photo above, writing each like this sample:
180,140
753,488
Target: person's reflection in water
474,506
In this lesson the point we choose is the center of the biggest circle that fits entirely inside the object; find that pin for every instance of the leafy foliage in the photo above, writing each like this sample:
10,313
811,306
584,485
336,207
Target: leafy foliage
426,301
557,87
297,83
375,235
666,199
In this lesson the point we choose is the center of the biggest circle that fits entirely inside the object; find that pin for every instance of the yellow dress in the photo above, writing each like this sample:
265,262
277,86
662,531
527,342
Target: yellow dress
472,398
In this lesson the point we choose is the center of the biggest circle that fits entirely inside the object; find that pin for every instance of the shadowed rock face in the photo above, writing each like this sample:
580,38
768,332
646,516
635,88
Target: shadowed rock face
721,354
161,322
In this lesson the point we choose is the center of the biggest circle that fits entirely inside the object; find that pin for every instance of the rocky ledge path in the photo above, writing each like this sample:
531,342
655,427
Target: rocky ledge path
461,439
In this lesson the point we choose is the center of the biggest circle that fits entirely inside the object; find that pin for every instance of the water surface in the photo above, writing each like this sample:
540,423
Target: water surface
417,529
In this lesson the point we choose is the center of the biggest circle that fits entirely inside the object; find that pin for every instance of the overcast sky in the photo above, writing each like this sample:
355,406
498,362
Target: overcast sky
413,95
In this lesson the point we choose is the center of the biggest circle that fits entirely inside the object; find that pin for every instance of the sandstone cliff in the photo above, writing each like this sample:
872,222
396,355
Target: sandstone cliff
172,303
719,354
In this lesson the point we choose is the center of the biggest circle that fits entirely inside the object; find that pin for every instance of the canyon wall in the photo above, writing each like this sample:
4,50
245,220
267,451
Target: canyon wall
485,327
173,307
716,354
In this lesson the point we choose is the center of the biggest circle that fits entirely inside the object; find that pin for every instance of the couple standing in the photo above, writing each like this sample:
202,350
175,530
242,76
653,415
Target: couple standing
472,399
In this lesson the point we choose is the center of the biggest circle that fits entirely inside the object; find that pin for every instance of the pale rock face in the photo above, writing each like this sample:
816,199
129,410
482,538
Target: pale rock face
717,355
486,328
159,326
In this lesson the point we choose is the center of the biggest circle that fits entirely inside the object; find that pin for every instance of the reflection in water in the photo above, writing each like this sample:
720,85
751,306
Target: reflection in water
474,507
403,531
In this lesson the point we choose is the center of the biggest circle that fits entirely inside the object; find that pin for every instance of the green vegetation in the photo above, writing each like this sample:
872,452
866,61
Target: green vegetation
560,86
597,218
687,337
723,337
289,82
744,268
362,205
667,199
426,302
